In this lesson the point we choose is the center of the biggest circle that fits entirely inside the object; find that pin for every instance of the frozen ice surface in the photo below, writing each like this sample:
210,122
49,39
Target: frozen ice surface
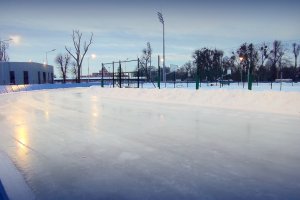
79,144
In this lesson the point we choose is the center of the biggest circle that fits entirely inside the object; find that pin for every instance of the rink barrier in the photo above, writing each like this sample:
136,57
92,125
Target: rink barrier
3,195
19,88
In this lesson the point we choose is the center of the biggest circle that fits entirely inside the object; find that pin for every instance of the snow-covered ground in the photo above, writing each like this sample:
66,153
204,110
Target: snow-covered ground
261,101
286,87
232,86
104,143
21,88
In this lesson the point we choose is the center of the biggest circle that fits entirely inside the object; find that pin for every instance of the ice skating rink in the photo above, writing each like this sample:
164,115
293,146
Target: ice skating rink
80,144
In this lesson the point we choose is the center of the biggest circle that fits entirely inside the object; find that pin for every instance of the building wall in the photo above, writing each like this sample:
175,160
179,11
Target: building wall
33,69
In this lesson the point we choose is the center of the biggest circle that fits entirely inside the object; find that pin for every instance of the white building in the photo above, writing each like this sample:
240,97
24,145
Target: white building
20,73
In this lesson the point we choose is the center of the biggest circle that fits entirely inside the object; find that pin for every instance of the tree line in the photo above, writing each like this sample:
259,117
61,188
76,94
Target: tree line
263,63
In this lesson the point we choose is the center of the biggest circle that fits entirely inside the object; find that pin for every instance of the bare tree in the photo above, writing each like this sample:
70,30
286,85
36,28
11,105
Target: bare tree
3,51
296,50
188,68
275,56
80,51
63,62
146,58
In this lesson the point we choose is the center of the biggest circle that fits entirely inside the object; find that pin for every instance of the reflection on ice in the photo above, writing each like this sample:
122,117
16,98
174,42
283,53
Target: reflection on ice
78,145
47,115
21,137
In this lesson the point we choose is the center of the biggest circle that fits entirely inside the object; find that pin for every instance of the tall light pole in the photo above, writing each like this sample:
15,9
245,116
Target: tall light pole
161,19
93,57
47,55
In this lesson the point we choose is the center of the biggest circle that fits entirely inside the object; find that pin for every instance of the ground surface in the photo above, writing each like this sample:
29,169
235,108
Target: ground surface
76,144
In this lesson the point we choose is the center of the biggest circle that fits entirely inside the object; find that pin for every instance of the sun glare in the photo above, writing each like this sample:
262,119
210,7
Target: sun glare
16,39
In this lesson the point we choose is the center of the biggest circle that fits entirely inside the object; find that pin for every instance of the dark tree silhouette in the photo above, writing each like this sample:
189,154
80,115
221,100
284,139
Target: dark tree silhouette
208,63
217,65
249,58
188,68
264,53
275,56
63,62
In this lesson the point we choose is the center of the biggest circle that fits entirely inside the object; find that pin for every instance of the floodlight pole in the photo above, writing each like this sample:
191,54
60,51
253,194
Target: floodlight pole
161,19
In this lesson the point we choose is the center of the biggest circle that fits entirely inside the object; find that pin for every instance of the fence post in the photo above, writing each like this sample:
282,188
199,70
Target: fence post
197,78
158,76
174,78
102,82
113,74
138,72
120,74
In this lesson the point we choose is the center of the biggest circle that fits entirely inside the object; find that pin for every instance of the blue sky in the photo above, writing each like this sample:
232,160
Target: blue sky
122,28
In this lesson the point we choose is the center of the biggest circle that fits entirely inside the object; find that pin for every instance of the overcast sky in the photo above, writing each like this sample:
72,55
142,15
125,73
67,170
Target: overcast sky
122,28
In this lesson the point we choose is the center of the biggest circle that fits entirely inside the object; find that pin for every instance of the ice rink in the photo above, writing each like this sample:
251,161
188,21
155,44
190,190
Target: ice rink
77,144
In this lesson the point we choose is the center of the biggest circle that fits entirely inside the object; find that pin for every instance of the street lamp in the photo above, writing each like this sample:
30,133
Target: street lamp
47,55
93,57
161,19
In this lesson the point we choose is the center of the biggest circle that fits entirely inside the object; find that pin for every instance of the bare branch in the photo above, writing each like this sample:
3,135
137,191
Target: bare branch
69,51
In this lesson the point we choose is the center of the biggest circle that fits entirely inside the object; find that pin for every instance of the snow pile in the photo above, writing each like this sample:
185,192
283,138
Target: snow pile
266,101
20,88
